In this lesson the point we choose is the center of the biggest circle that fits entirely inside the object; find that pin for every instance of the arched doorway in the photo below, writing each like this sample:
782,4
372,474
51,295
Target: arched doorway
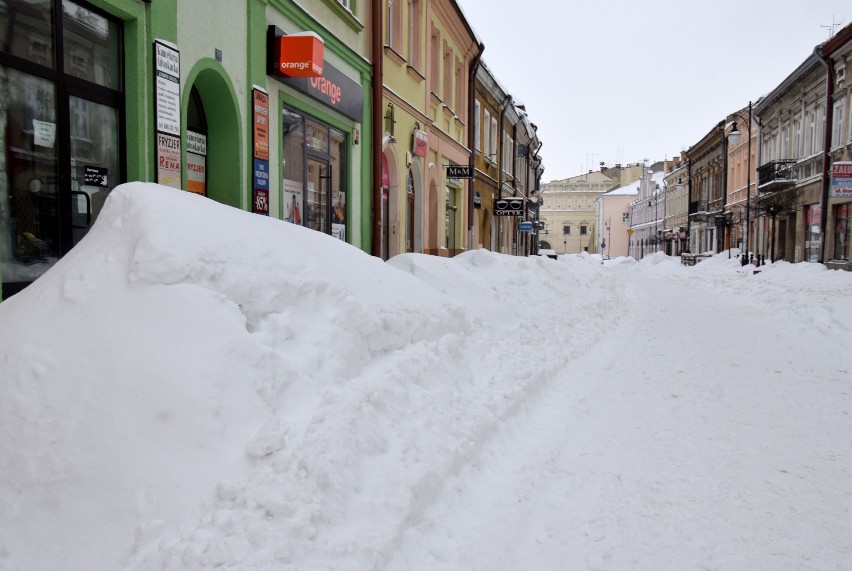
216,102
390,207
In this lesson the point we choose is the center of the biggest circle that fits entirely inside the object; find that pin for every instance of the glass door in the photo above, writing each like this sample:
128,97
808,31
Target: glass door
95,169
317,205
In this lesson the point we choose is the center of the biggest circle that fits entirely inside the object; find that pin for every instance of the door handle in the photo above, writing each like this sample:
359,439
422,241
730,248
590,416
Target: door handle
88,208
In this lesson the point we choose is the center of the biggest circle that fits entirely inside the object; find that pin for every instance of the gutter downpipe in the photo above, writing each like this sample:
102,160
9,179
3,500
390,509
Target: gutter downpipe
471,137
826,179
376,128
506,101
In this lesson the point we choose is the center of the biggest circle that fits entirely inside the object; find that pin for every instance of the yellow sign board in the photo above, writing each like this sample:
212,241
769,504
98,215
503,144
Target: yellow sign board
630,231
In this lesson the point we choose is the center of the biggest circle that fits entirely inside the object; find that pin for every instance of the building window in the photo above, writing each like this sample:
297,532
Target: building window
493,139
460,91
583,230
60,143
448,75
486,124
414,33
435,62
837,128
810,133
477,126
797,139
508,153
346,4
395,25
566,230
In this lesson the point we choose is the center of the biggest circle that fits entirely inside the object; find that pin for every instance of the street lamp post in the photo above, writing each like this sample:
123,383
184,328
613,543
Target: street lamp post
733,138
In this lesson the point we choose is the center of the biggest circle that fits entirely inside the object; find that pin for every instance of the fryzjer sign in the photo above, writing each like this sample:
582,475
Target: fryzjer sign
333,88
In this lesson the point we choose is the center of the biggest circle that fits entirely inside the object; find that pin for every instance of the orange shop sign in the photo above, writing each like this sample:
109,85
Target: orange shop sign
298,55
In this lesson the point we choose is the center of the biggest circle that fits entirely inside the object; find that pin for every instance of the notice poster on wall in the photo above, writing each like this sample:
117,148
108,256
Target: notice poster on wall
168,160
196,173
167,81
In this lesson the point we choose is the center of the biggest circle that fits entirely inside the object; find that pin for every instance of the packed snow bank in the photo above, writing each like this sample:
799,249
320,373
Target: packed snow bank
195,387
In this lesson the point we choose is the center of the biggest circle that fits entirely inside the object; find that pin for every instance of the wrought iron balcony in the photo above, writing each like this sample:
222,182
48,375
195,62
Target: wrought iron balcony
777,175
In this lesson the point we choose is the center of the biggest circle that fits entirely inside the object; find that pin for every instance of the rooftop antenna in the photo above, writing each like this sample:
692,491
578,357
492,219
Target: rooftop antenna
834,25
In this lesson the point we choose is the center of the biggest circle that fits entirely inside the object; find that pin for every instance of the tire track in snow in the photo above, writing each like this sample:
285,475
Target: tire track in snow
702,459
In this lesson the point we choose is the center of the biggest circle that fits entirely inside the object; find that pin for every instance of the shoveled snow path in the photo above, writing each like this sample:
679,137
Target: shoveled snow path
672,466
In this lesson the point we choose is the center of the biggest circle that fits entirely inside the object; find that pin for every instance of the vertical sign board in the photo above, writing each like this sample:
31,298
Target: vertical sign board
841,179
260,120
168,160
167,109
196,162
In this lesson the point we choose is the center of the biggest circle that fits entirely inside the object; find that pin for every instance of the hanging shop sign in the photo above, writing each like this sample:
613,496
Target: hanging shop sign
459,171
332,87
298,55
513,206
421,143
525,226
841,179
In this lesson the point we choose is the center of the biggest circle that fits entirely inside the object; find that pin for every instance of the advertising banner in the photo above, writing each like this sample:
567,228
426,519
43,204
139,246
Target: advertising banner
261,187
196,173
261,124
168,160
841,179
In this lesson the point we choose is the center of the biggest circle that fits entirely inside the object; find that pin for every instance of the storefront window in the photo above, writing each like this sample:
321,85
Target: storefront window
338,193
91,45
842,215
812,233
409,212
293,127
314,174
60,146
29,199
26,30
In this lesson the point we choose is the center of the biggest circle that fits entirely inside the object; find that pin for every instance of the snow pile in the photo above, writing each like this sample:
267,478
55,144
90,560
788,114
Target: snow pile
195,387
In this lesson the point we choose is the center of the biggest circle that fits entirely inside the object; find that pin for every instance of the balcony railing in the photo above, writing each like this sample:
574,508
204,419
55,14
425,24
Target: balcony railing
777,175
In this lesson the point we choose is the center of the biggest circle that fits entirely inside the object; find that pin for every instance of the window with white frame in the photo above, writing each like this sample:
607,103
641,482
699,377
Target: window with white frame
810,132
486,124
837,127
493,139
346,4
508,153
785,143
797,139
477,126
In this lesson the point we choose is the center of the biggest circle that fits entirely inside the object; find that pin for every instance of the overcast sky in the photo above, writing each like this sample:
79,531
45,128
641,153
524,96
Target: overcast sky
622,81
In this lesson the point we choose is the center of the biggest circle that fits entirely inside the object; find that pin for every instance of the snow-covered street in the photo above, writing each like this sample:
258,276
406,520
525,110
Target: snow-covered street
225,391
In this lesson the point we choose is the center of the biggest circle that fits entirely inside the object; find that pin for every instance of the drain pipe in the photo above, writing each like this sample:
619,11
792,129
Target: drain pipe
826,148
376,127
506,100
472,124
